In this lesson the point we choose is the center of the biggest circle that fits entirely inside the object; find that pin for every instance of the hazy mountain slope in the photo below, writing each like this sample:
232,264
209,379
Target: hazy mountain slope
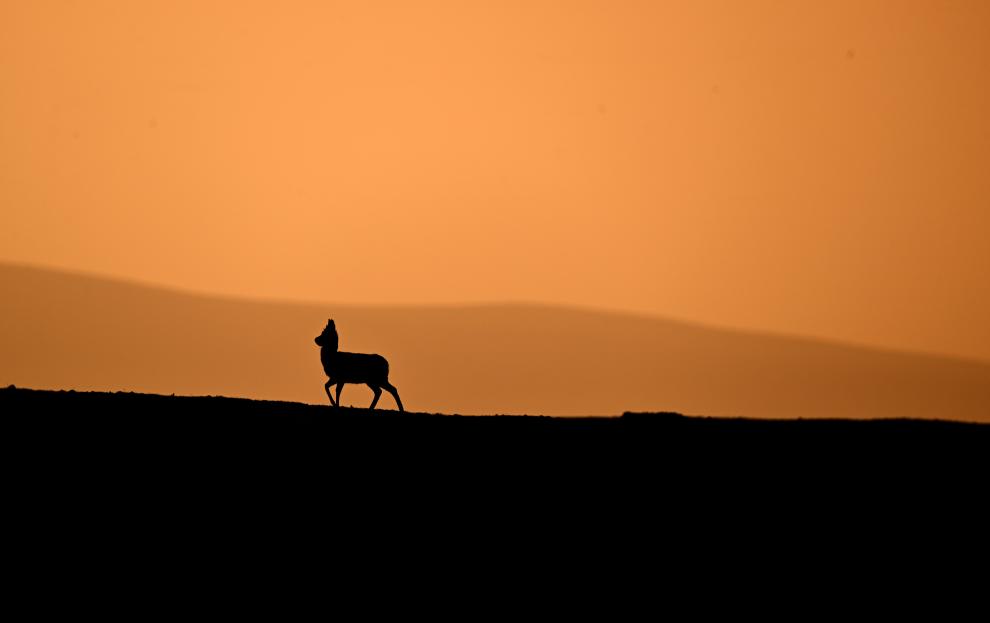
61,330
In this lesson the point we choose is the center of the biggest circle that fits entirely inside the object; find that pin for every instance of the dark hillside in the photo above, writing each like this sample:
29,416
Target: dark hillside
189,473
95,425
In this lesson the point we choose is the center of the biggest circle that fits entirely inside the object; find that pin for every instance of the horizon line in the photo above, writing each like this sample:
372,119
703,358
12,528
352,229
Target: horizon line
452,305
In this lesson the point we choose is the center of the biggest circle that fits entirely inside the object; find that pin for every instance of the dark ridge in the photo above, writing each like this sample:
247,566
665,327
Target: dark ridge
188,421
820,424
68,403
89,452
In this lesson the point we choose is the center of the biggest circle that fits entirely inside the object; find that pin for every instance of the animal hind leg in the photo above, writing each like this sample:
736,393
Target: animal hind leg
378,394
327,387
395,394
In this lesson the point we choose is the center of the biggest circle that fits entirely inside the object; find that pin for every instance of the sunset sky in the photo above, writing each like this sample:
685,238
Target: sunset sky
812,168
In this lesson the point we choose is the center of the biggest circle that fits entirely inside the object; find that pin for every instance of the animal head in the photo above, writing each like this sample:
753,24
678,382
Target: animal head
329,336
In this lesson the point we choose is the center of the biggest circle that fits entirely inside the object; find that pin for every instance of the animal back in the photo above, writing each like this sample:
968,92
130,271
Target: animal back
357,368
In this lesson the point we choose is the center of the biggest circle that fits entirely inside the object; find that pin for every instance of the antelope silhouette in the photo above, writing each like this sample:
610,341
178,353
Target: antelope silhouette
341,368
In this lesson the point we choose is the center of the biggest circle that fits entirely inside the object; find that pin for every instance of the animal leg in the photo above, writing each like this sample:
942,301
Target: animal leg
340,386
395,394
378,394
327,387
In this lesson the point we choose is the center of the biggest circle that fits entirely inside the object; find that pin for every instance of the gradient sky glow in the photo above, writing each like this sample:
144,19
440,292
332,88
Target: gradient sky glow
818,168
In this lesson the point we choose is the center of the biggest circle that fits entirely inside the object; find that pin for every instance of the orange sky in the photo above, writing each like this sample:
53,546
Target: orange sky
820,168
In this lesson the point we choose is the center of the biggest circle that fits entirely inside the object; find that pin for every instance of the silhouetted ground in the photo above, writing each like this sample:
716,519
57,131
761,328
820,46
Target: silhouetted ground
194,474
211,429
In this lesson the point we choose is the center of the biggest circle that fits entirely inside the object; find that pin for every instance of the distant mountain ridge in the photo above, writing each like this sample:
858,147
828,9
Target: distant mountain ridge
61,330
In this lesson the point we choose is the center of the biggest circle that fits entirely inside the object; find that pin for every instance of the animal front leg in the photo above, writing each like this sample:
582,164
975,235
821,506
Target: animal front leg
395,394
340,386
327,387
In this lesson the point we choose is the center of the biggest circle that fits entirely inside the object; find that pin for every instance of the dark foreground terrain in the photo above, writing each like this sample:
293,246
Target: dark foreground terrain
184,431
189,473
